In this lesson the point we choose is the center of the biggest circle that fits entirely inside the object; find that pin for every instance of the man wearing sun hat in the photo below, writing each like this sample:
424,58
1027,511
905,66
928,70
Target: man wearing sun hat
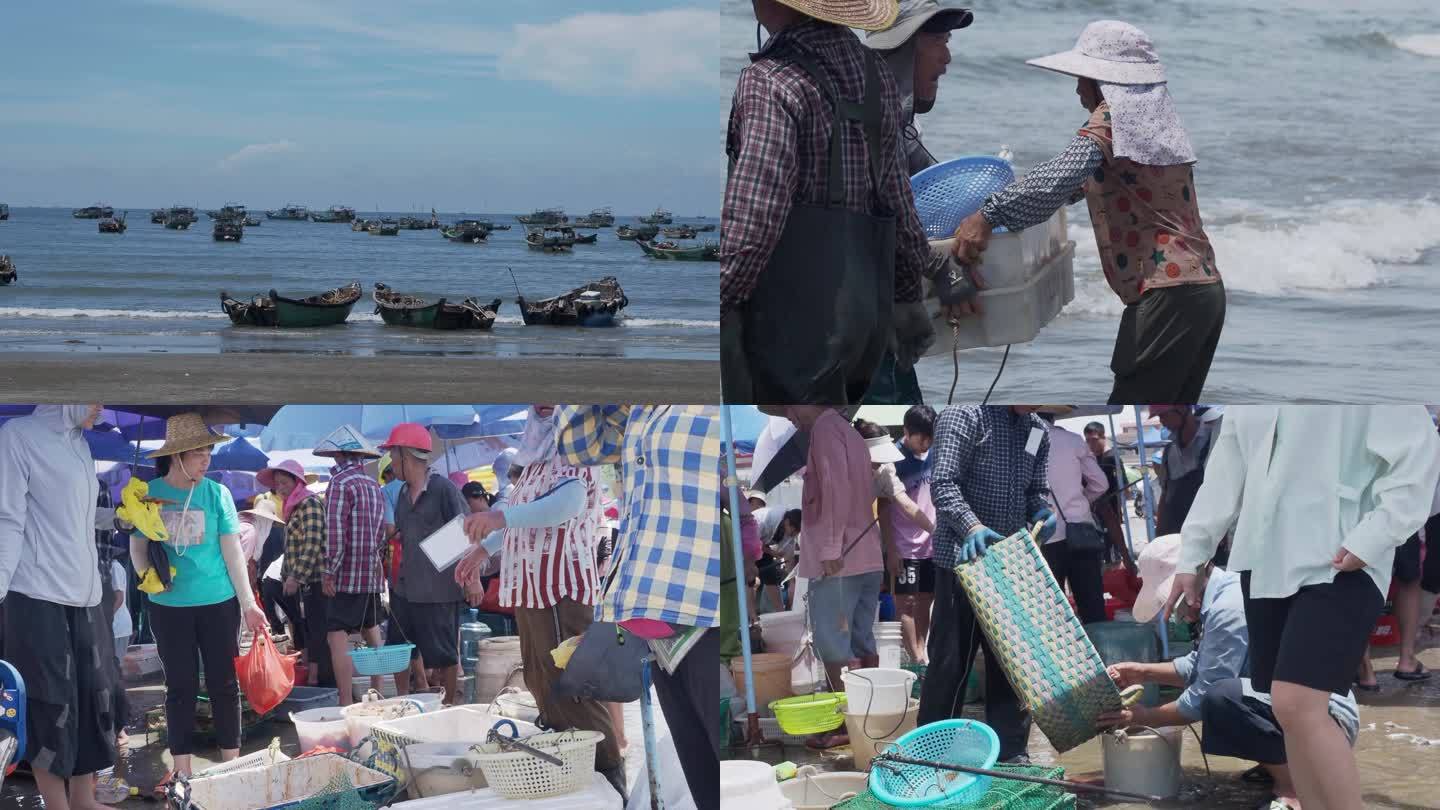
1133,163
789,211
354,536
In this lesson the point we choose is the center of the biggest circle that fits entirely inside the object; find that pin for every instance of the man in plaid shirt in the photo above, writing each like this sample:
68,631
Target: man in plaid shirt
778,143
989,482
666,564
354,537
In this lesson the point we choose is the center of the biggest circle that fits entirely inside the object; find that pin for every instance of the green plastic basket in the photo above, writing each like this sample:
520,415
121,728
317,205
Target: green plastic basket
810,714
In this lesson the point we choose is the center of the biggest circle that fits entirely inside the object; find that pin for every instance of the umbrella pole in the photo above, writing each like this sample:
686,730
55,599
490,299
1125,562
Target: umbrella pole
753,736
647,722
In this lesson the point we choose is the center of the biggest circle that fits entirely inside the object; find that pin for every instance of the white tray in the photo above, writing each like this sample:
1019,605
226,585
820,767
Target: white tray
1013,313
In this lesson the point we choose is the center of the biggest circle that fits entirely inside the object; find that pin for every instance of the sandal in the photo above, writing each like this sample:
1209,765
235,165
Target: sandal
1420,673
1257,776
1367,687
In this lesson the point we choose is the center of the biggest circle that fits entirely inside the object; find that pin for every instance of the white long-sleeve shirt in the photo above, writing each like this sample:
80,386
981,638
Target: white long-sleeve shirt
48,493
1075,479
1299,482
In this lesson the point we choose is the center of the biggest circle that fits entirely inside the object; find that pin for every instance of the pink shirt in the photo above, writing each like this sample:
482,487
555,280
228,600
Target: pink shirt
911,541
1075,479
837,500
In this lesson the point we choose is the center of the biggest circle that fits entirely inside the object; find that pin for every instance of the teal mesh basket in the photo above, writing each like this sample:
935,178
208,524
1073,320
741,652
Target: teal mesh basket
952,742
385,660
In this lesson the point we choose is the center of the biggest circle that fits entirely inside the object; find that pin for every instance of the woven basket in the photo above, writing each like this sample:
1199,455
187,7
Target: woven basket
520,775
1040,643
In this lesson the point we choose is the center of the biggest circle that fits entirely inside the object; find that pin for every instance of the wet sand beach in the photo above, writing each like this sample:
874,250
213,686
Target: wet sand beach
160,377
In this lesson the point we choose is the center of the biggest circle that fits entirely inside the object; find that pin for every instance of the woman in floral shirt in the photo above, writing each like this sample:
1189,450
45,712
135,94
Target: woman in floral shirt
1133,163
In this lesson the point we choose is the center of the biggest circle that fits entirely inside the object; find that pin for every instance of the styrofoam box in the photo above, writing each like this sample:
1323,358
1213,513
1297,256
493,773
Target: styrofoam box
1010,314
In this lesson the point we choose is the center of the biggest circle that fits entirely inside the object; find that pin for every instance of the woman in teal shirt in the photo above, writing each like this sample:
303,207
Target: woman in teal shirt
209,593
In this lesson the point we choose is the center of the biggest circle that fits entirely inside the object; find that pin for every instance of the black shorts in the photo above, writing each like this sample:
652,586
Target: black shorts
433,627
352,612
771,570
916,576
1315,637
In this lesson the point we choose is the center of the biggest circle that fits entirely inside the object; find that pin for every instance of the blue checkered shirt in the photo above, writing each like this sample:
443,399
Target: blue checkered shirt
983,476
667,558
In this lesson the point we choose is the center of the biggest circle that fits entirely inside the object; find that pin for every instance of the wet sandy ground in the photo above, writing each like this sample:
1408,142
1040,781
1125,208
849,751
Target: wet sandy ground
1398,749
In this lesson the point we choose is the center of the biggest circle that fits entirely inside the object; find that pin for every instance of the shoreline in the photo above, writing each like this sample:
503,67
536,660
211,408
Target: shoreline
292,378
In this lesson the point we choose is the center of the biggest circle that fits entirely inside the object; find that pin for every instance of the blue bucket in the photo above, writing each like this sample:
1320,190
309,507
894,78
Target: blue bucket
948,192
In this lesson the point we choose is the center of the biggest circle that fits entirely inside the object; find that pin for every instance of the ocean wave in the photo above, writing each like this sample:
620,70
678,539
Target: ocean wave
1418,44
1343,245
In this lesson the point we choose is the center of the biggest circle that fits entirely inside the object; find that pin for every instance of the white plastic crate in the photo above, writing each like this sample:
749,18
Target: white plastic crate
1013,313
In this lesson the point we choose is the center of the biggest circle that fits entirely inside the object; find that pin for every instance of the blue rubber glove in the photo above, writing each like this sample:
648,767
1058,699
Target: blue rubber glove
1047,517
973,548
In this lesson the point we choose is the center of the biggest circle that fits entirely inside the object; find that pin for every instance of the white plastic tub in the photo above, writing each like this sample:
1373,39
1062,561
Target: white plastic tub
360,717
812,789
281,785
325,727
783,632
747,785
877,690
1010,314
517,704
440,769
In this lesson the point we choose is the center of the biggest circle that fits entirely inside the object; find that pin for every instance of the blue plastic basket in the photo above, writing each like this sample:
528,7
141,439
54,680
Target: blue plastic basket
948,192
385,660
954,742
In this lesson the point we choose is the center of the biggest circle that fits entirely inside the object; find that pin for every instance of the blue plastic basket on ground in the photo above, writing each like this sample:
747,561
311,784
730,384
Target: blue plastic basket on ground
387,660
948,192
953,742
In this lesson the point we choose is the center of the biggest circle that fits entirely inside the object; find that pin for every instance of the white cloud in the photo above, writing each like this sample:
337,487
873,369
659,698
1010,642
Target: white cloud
255,151
618,53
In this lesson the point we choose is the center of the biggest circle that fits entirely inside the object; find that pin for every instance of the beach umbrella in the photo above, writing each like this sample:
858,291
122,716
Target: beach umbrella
297,427
748,423
780,451
214,413
238,455
490,420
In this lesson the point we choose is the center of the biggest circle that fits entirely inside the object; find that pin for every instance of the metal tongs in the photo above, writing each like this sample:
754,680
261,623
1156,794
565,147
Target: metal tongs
513,743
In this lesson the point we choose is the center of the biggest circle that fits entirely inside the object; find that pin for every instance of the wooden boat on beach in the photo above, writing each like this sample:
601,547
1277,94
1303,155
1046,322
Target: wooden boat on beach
8,273
113,224
96,211
401,309
228,230
540,238
643,233
326,309
593,305
290,211
709,252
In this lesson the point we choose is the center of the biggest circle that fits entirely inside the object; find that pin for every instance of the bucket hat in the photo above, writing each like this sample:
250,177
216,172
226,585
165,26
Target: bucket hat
186,431
346,439
1108,51
867,15
1157,563
915,15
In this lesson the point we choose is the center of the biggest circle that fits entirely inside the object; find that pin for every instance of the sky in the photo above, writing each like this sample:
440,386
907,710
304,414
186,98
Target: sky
396,104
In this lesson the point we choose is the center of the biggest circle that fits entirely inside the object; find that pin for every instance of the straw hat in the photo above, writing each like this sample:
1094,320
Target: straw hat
265,508
1108,51
187,431
346,439
883,450
867,15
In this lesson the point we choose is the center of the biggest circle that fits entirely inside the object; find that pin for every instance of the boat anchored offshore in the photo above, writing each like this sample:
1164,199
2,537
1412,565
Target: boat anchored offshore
228,230
679,232
96,211
384,227
4,212
599,218
540,238
113,224
659,217
337,213
644,233
544,216
228,211
8,273
401,309
708,252
595,304
290,211
326,309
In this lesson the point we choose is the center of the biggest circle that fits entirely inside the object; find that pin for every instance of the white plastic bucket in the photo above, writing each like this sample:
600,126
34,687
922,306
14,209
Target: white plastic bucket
783,632
321,727
1143,760
812,789
498,667
889,644
516,703
877,690
747,785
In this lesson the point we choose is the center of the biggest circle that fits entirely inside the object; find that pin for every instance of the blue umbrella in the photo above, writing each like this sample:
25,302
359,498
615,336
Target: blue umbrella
491,420
239,455
297,427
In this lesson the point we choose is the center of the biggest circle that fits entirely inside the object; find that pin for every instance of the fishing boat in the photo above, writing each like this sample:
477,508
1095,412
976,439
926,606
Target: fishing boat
709,252
363,224
544,216
596,304
540,238
157,217
401,309
599,218
385,227
499,227
4,212
679,232
252,222
337,213
326,309
706,228
642,233
587,239
228,230
659,217
289,211
472,234
113,224
96,211
8,273
228,211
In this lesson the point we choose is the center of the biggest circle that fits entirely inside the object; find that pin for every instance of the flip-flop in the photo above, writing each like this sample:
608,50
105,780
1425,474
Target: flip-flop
1257,776
1367,687
1420,673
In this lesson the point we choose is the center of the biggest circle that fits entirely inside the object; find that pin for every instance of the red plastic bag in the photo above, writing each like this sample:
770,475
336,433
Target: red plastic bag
266,676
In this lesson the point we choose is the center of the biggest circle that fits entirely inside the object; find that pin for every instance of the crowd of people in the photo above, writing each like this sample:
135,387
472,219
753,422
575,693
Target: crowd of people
322,563
823,139
1277,534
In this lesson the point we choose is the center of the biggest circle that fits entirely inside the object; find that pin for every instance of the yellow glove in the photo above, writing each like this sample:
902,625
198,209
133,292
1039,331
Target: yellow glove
144,516
566,649
150,581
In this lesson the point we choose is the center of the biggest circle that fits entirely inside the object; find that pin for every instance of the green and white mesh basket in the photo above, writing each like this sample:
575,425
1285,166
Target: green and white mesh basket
1040,643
